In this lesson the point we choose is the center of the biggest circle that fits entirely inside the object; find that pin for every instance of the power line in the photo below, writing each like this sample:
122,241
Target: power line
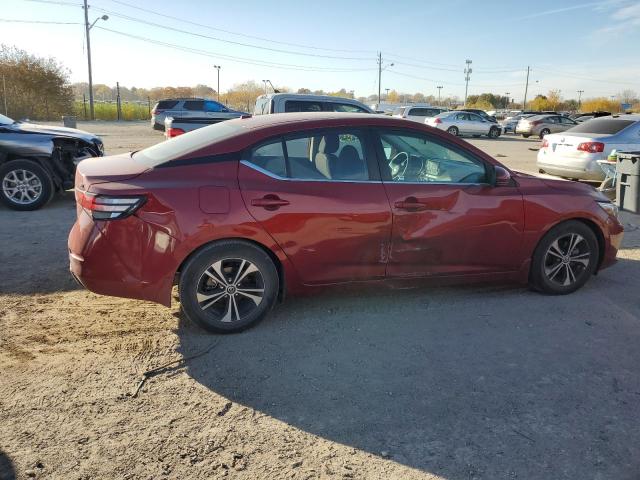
15,20
232,42
57,2
209,27
395,72
250,61
590,79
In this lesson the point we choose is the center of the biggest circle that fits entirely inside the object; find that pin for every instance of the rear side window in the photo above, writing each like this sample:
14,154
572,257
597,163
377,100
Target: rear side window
418,112
302,106
331,155
345,107
604,125
194,105
166,104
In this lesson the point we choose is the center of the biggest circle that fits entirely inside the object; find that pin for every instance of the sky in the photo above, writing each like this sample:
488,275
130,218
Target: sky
333,44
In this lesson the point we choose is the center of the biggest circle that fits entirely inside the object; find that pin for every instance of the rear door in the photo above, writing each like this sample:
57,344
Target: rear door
193,109
447,218
417,114
319,195
217,111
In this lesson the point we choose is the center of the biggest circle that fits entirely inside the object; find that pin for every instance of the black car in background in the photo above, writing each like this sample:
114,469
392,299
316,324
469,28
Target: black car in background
36,161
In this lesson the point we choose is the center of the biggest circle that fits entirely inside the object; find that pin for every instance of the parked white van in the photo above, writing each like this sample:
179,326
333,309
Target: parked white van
295,102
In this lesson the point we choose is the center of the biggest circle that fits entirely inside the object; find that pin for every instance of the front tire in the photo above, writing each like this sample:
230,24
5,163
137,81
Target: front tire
453,131
25,185
494,132
228,286
565,259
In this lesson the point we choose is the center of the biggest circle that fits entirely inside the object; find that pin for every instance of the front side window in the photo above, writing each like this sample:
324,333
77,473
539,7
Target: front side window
330,155
410,157
211,106
301,106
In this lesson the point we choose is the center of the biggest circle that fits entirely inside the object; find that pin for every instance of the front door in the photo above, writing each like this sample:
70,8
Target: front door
447,218
319,195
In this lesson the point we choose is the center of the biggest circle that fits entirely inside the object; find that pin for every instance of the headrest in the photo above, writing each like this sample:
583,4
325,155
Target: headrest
329,144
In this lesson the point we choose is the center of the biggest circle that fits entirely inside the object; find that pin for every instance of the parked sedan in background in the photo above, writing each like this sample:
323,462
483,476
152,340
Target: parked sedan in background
249,211
38,160
509,124
542,125
190,108
464,123
574,153
418,113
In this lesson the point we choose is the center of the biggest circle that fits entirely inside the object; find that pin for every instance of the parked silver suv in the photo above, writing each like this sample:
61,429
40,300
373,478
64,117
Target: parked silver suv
190,108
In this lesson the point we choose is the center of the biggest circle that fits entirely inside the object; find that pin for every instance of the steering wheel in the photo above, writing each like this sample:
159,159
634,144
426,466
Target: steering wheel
398,164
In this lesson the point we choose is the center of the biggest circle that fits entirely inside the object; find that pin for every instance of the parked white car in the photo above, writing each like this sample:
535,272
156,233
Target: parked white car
464,123
575,153
417,113
297,102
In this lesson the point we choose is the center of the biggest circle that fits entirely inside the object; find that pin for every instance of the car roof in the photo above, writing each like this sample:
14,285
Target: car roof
310,96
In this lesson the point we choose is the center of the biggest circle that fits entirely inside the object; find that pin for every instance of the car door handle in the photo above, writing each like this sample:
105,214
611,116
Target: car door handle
410,204
269,202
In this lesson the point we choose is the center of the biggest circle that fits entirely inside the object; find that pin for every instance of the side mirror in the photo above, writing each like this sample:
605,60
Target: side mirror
502,177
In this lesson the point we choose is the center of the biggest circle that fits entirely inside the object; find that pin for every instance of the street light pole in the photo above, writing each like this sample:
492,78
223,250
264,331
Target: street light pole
264,82
88,28
467,77
507,101
439,87
380,76
218,67
580,92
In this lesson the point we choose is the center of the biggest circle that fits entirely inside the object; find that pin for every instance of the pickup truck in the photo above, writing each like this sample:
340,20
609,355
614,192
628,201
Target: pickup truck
174,126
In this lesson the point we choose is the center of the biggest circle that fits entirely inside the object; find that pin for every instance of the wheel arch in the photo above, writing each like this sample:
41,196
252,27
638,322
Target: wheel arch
274,258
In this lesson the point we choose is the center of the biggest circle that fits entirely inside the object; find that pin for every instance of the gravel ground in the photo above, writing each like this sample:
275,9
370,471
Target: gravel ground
445,383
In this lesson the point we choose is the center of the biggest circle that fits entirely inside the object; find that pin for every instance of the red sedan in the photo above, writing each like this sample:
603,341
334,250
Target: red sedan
241,213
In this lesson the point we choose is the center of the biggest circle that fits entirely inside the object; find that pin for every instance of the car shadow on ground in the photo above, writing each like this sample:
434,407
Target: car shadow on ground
462,382
7,471
34,256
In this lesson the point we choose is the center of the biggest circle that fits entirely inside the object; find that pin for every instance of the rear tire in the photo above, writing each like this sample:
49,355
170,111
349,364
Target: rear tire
453,131
565,259
25,185
543,132
228,286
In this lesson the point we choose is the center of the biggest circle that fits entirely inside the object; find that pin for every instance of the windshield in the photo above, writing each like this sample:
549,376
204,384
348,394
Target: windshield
602,125
185,144
5,120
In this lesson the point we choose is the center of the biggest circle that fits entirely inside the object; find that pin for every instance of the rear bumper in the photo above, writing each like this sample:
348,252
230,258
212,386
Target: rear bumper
582,169
112,270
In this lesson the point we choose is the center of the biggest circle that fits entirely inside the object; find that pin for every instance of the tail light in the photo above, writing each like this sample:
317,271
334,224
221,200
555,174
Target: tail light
108,207
156,111
537,122
437,121
173,132
545,143
591,147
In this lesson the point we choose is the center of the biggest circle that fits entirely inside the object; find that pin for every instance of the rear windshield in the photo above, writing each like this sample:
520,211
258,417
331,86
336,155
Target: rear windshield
602,125
166,104
184,144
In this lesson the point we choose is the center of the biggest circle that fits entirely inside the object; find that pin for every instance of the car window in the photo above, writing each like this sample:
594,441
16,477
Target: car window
475,118
166,104
331,155
211,106
302,106
461,116
194,105
603,125
551,120
418,112
270,156
345,107
417,158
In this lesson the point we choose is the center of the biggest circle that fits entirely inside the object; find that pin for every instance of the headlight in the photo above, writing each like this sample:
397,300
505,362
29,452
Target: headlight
610,208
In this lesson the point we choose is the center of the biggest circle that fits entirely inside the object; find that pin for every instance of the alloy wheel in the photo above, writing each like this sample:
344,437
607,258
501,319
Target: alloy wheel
22,186
566,259
230,290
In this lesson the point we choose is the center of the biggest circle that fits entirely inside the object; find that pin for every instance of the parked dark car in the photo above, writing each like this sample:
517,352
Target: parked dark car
36,161
191,108
246,212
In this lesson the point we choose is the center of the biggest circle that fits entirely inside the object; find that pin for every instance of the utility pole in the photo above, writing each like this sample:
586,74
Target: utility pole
580,92
439,87
218,67
526,90
467,77
507,100
379,77
118,102
88,28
